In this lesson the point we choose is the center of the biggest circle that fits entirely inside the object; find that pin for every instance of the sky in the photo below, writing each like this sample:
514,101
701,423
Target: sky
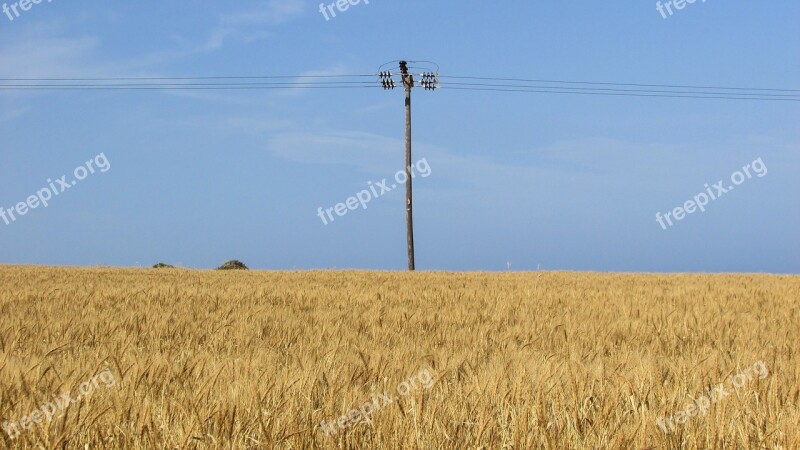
526,181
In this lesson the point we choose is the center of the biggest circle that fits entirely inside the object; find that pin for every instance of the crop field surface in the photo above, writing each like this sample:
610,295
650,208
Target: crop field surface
171,359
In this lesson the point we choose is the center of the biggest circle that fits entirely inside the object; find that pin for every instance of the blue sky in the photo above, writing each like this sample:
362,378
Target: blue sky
561,182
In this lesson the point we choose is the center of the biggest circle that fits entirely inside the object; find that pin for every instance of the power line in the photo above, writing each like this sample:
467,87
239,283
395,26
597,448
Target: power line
700,95
264,77
199,88
354,81
632,92
195,86
601,83
621,90
200,84
178,83
274,77
167,85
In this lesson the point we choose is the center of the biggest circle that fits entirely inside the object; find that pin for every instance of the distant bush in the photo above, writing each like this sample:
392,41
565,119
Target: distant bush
163,266
233,265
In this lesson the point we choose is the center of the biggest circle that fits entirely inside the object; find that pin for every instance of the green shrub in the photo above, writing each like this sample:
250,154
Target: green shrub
233,265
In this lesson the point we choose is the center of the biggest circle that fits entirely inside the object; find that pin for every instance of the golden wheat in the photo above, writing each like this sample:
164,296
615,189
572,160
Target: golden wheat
205,359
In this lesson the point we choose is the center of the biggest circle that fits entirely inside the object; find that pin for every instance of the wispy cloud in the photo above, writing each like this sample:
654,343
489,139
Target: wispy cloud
45,56
339,69
252,125
367,151
46,49
370,151
7,116
248,25
51,53
558,164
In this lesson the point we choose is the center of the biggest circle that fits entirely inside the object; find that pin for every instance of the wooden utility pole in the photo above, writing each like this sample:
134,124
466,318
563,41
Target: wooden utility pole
429,82
408,83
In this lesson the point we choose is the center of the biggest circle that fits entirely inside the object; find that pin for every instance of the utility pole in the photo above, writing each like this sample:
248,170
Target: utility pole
408,83
429,82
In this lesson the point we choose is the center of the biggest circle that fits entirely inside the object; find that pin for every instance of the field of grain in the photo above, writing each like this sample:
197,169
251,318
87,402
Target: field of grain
207,359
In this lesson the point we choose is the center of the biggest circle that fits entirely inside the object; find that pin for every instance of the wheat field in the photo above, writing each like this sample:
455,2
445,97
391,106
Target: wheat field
180,359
